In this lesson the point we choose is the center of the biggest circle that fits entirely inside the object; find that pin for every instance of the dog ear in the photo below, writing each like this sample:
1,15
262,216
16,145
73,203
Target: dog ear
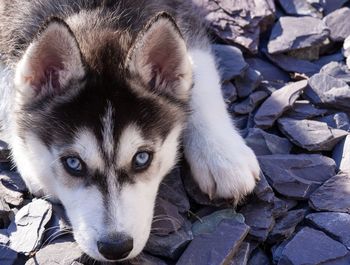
159,58
50,63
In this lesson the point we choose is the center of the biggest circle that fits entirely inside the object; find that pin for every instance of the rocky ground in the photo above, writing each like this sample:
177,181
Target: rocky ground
286,77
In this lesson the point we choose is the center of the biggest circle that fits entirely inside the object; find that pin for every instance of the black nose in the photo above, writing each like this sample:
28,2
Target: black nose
116,249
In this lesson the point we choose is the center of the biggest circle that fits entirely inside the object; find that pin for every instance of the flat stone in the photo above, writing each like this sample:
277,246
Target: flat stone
282,206
10,196
279,101
346,51
285,226
208,224
8,256
297,176
335,224
259,257
248,82
239,23
326,59
264,143
333,5
301,249
292,33
26,232
145,259
249,104
333,195
337,70
338,120
229,92
303,109
341,155
263,190
230,60
258,215
294,65
337,22
242,255
211,249
325,90
299,7
267,70
63,251
172,245
172,190
4,214
311,135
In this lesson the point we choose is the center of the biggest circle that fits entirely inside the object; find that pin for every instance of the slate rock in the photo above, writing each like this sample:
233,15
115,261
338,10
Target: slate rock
230,60
239,22
208,224
341,155
297,176
7,255
337,70
26,231
303,109
311,135
259,257
267,70
229,92
333,195
338,120
299,7
337,22
4,214
249,104
284,36
301,249
63,251
14,198
279,101
346,51
285,226
294,65
242,255
248,82
335,224
325,90
326,59
333,5
263,190
211,249
258,216
264,143
145,259
172,190
166,218
281,206
172,245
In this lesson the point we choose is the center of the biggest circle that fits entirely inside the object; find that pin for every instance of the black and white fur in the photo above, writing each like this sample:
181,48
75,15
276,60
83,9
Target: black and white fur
102,80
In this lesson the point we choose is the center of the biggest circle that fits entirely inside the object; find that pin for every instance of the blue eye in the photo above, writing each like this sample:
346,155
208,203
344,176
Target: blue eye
74,165
142,160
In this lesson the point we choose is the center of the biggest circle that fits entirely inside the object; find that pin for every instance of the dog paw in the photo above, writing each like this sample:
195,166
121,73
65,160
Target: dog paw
224,170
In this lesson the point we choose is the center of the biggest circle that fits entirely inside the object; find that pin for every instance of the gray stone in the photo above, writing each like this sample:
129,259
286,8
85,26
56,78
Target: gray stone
10,196
333,5
231,61
247,83
297,176
337,22
263,190
4,213
341,155
325,90
249,104
326,59
285,226
26,232
242,255
311,135
211,249
303,109
279,101
232,24
333,195
346,51
208,224
145,259
284,36
259,257
337,70
338,120
229,92
282,206
172,245
301,249
264,143
7,255
335,224
268,71
258,215
63,251
299,7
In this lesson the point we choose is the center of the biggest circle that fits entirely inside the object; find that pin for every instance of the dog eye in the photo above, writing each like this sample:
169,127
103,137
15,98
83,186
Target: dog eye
74,165
142,160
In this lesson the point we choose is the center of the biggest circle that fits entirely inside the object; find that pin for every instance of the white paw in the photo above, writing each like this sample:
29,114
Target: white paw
223,170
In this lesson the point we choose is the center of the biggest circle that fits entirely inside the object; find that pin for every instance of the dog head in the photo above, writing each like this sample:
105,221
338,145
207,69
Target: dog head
98,127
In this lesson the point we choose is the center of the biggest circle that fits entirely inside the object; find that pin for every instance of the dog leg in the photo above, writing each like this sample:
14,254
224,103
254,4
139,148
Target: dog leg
221,163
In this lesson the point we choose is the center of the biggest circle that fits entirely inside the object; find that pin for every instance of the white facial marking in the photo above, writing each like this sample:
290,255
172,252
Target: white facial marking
107,131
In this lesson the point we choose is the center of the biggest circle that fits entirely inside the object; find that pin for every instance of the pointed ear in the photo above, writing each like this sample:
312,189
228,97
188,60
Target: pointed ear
159,58
50,63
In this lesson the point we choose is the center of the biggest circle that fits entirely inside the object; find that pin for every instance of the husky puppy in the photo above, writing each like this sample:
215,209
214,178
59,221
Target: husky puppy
95,96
